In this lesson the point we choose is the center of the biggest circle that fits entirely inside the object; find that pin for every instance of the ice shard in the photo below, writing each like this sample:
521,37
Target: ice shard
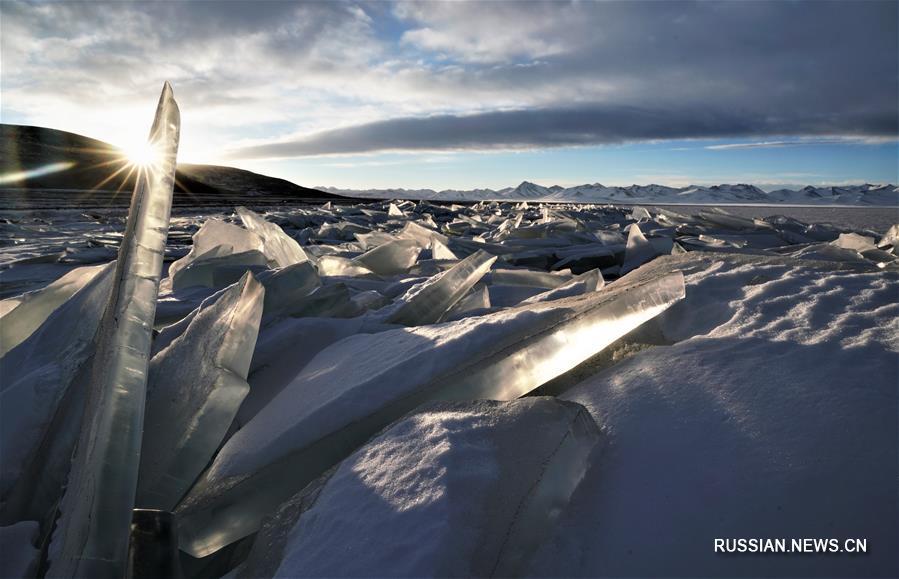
225,237
34,307
91,539
639,250
497,356
281,249
590,281
426,303
390,258
482,484
37,374
194,389
202,271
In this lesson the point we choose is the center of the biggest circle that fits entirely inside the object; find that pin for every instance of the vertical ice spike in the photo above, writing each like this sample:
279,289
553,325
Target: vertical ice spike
91,539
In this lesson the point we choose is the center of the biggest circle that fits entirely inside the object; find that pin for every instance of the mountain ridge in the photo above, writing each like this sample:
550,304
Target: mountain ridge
739,193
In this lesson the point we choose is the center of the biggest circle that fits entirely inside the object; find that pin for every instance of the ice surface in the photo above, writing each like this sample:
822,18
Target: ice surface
497,356
32,308
194,389
91,538
464,489
426,303
279,247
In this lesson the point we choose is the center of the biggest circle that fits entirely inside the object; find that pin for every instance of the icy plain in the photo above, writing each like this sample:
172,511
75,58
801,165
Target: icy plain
739,377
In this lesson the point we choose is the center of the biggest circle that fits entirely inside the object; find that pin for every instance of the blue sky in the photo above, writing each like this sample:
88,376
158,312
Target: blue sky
476,94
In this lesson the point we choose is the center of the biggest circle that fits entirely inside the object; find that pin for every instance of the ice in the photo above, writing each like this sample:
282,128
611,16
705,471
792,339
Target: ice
194,389
477,301
37,374
19,556
498,356
465,489
91,538
215,234
32,308
639,249
531,278
890,239
426,303
755,418
202,271
590,281
279,247
854,241
334,265
284,348
390,258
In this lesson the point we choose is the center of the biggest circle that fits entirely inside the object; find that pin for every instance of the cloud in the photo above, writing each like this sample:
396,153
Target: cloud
561,127
801,142
328,77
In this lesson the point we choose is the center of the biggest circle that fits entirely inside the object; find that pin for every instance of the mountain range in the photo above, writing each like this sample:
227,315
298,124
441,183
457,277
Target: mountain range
856,195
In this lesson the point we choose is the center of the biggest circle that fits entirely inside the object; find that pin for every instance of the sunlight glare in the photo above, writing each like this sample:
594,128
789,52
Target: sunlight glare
142,154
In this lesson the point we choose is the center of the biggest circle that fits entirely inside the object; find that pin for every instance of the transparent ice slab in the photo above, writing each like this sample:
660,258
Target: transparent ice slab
426,303
590,281
201,271
91,539
390,258
639,250
215,233
34,307
37,374
482,484
194,389
281,249
332,407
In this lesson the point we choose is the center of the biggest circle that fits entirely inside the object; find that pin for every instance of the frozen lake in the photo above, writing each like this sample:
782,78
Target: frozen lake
878,219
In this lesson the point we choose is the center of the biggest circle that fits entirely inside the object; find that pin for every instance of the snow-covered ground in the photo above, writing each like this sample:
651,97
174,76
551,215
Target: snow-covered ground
316,372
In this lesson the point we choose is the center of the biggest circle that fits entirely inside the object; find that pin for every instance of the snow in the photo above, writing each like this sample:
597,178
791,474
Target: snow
455,489
767,383
774,415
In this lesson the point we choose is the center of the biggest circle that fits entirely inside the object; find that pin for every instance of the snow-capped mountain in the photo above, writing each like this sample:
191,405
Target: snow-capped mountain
740,193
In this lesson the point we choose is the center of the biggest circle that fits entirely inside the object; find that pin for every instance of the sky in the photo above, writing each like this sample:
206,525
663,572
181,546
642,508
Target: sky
476,94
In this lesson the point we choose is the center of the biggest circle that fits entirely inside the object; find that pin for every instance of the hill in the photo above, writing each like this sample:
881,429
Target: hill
49,166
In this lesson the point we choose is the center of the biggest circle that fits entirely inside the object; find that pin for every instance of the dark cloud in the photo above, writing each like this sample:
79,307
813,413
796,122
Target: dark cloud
558,127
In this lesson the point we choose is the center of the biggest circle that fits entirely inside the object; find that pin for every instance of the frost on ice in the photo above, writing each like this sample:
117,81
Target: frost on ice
463,489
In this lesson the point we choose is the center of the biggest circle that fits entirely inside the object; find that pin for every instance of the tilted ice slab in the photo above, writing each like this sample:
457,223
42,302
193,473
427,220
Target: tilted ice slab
215,233
639,250
427,302
36,376
34,307
91,539
462,489
332,407
281,249
194,390
202,271
590,281
390,258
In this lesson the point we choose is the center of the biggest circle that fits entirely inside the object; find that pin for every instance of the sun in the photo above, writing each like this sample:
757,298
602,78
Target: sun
142,154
